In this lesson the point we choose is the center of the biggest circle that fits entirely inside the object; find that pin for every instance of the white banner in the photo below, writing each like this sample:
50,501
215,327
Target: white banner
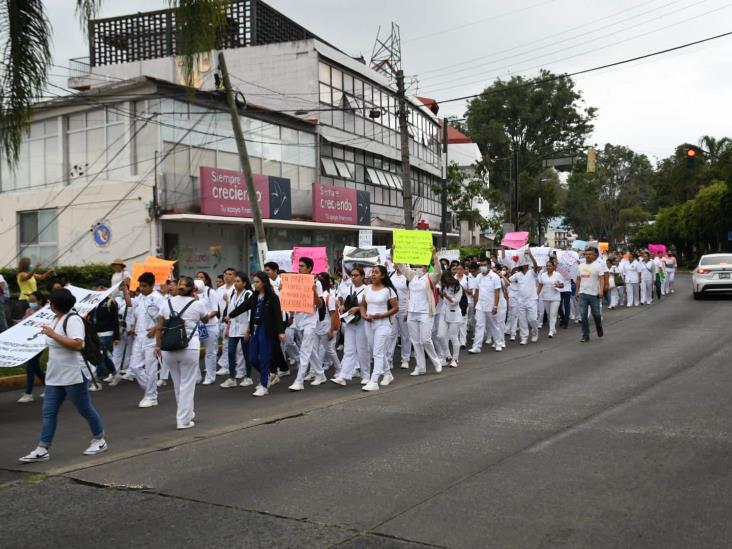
541,254
283,258
25,340
365,238
450,255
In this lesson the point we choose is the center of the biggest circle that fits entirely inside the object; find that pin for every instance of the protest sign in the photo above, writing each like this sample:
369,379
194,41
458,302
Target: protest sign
161,268
579,245
25,340
450,255
137,270
541,255
515,240
653,249
296,294
384,255
412,247
283,258
365,238
363,257
604,246
318,254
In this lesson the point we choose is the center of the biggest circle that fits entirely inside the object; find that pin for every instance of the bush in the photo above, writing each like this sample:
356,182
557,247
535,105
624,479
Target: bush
78,275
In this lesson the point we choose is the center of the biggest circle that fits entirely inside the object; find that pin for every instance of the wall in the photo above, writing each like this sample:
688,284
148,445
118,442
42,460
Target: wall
205,246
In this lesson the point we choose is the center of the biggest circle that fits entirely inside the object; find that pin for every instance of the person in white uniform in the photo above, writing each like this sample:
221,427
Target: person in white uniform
328,325
210,300
224,293
305,324
144,363
451,319
630,269
400,329
525,280
671,265
612,287
235,330
487,300
550,283
458,272
355,344
647,270
379,305
183,364
122,353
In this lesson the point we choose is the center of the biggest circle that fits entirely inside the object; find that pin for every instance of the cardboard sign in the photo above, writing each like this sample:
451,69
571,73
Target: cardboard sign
24,340
283,258
137,270
319,255
161,268
541,254
412,247
653,249
515,240
604,246
296,294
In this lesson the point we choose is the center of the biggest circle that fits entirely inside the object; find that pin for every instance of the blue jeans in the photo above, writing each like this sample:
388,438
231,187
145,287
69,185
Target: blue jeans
593,303
33,369
260,354
79,396
565,307
107,345
233,342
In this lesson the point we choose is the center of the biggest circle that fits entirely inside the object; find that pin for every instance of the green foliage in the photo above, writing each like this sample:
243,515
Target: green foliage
81,275
198,24
470,251
465,190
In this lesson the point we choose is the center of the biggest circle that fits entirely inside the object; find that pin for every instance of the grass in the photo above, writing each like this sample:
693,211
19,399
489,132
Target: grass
20,370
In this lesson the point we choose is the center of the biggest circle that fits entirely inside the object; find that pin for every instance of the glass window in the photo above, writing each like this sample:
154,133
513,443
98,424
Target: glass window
373,177
325,94
324,73
337,79
343,169
347,83
38,235
384,179
397,182
329,167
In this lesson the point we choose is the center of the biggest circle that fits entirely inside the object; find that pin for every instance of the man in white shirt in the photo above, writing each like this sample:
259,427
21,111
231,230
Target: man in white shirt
590,290
486,298
647,270
305,324
629,268
525,280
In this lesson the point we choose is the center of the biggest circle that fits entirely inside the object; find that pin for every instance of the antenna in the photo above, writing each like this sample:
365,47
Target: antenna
386,57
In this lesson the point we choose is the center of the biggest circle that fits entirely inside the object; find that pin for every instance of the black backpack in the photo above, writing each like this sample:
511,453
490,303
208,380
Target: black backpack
464,304
92,351
174,336
350,302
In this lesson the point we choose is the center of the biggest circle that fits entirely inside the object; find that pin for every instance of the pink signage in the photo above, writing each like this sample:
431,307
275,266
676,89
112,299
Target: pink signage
224,192
335,204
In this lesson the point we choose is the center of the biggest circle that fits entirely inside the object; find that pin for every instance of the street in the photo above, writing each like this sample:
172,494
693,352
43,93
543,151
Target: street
621,442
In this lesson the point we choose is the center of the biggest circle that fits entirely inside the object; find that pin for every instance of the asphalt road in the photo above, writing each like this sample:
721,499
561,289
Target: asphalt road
621,442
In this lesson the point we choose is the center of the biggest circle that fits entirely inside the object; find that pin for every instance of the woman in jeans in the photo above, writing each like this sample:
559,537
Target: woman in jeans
105,320
36,302
67,376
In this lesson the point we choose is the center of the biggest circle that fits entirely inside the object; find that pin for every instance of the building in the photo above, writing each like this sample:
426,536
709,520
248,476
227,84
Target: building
560,238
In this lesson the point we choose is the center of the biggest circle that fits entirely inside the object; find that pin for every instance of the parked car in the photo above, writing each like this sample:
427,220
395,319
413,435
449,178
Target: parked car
713,274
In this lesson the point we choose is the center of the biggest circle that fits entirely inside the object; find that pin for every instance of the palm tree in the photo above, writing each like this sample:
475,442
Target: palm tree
25,36
714,147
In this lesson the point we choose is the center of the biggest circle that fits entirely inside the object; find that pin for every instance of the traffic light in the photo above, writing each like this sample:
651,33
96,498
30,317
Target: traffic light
691,157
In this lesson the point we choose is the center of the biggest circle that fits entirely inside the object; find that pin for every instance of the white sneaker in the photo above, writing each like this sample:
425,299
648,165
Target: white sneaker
97,446
309,377
127,376
523,341
228,384
318,380
43,394
512,338
147,403
25,398
115,380
222,371
162,383
339,381
94,388
274,379
386,381
370,386
453,363
296,387
246,382
186,425
417,372
261,391
39,454
405,365
339,348
283,373
365,380
240,376
534,338
208,382
474,351
438,367
551,334
109,378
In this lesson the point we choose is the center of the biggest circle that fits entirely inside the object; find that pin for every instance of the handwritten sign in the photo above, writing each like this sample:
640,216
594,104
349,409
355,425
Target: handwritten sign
412,247
541,254
653,249
318,254
24,340
161,268
283,258
450,255
365,238
296,295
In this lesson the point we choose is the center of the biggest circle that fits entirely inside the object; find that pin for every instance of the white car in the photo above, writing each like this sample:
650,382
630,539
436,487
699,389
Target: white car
713,274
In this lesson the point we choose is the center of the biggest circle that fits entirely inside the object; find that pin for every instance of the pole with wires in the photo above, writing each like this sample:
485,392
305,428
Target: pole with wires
406,166
445,182
241,146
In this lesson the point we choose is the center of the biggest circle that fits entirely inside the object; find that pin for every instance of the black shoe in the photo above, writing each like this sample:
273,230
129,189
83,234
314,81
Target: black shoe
585,339
600,331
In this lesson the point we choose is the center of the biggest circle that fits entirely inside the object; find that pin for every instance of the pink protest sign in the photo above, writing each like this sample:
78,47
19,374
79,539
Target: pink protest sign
655,248
333,204
318,254
515,240
224,192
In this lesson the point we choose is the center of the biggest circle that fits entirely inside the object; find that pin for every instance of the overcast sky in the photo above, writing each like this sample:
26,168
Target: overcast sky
459,47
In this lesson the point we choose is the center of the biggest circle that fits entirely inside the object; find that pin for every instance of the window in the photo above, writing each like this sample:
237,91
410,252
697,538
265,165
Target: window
329,167
343,169
96,140
38,235
39,160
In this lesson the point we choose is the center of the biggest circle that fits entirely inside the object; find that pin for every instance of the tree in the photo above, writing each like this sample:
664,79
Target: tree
25,35
465,190
527,120
714,147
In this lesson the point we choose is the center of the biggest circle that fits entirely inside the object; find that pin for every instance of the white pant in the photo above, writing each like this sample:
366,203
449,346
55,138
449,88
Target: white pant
123,349
355,350
574,307
540,311
450,334
144,366
224,358
378,333
498,324
613,295
631,293
420,332
512,321
325,351
552,309
290,348
306,331
527,318
440,344
668,282
399,330
463,330
211,346
483,327
646,287
183,366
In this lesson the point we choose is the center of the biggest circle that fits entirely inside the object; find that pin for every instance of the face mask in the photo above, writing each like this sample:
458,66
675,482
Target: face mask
484,269
421,271
33,306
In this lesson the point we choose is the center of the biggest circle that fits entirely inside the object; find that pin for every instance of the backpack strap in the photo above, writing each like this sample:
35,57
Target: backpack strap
184,309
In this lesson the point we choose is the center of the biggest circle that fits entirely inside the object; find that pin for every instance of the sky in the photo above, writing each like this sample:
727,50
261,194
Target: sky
458,48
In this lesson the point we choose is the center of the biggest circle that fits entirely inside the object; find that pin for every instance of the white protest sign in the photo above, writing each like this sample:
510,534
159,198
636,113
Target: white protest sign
541,254
365,238
283,258
384,255
450,255
25,340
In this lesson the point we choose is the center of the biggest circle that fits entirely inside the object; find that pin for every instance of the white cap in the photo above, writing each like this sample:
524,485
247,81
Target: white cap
199,284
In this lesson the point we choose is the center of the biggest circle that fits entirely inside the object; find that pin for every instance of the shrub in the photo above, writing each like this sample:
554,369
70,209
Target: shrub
78,275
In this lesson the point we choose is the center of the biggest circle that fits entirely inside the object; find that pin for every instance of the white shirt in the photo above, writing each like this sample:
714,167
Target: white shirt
402,288
418,294
630,270
303,320
377,301
210,300
240,324
66,367
191,316
647,270
590,276
526,285
486,285
329,298
453,313
549,292
223,292
147,310
276,285
125,313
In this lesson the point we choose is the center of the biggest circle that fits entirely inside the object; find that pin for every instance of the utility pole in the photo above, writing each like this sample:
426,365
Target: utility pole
406,166
541,242
516,186
444,184
245,165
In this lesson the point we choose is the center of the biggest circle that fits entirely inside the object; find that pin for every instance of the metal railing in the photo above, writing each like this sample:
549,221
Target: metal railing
79,66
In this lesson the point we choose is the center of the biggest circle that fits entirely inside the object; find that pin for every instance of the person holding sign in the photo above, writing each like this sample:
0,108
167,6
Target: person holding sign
550,284
379,304
28,278
329,324
421,312
525,279
355,344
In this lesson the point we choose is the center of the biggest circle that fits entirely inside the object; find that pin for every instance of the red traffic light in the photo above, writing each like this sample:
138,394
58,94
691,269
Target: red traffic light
690,153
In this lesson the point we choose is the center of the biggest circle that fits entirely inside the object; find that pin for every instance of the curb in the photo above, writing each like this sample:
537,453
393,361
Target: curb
12,383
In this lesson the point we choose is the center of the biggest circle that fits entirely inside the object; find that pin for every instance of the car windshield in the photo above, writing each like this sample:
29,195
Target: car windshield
716,260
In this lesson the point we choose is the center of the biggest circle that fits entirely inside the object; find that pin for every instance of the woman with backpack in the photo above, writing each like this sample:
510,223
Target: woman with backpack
450,318
355,345
67,375
178,344
235,329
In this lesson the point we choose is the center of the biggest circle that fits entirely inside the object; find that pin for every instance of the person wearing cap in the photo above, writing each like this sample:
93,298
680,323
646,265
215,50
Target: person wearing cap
120,273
